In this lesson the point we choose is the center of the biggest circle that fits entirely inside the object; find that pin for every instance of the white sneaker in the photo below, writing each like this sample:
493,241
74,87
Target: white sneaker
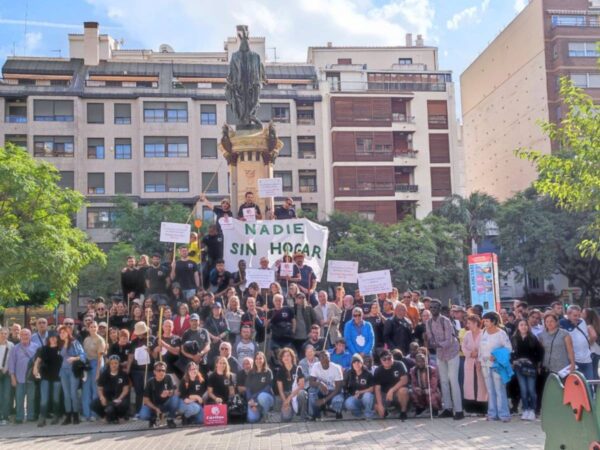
531,414
525,415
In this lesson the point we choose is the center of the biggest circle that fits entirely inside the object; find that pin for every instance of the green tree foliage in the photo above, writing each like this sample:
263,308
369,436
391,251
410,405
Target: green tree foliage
140,226
40,246
420,254
98,280
539,239
572,176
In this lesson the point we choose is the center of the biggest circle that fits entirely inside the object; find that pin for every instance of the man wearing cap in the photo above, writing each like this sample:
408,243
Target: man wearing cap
286,211
201,338
398,331
326,382
159,397
139,360
359,334
358,384
112,402
457,313
340,355
391,386
219,211
308,280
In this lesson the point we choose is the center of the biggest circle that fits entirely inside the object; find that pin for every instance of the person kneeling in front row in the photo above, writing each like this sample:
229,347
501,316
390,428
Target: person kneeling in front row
113,392
358,384
326,381
191,390
159,397
391,386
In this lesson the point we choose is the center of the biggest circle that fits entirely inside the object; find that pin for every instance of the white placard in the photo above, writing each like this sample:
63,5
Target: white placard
175,232
270,187
249,214
226,223
342,271
263,277
377,282
286,270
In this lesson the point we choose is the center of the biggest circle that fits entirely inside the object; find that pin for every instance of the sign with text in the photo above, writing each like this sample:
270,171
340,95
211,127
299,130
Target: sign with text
286,270
175,232
484,281
342,271
226,223
262,277
215,414
377,282
270,187
274,239
249,214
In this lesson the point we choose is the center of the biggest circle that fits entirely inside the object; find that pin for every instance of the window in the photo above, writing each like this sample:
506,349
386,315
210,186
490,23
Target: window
67,180
441,185
122,183
308,180
57,146
166,147
405,61
568,21
20,140
210,182
96,183
286,179
208,148
95,113
367,215
307,147
437,114
586,80
122,113
364,145
95,148
208,114
344,61
53,110
122,148
158,112
305,113
583,49
101,217
286,150
16,112
280,113
166,182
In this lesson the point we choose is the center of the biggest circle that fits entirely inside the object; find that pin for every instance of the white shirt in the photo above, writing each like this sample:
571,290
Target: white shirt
327,377
4,353
490,342
581,345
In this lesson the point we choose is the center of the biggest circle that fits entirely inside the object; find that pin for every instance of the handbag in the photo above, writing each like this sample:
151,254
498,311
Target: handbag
237,408
525,367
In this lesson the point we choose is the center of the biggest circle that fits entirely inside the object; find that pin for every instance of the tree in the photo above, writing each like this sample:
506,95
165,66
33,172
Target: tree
140,226
571,176
97,280
41,249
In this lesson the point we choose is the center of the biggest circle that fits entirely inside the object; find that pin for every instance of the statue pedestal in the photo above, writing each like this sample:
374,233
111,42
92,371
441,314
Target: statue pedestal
250,154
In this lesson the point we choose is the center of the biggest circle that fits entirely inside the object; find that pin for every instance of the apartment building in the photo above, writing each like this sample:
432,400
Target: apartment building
391,128
514,83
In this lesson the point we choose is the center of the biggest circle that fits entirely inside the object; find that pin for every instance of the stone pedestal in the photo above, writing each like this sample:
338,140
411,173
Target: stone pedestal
250,154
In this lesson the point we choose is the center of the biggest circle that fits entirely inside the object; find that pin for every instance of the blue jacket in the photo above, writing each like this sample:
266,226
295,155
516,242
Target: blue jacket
344,359
364,333
502,363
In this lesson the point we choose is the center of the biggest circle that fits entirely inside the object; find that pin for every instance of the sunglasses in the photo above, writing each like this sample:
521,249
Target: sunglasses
357,315
159,370
386,358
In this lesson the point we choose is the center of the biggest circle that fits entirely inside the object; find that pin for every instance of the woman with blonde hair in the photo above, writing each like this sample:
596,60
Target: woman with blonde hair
259,391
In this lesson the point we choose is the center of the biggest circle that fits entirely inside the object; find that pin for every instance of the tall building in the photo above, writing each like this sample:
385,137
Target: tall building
391,128
514,83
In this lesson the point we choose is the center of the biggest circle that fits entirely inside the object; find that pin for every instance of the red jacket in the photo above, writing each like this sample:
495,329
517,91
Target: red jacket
178,327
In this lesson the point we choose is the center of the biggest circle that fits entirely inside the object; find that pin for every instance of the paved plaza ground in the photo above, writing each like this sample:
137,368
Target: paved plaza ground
422,434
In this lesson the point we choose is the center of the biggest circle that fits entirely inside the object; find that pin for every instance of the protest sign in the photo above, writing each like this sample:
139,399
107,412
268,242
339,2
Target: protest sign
262,277
270,187
249,214
286,270
377,282
226,223
342,271
274,239
175,232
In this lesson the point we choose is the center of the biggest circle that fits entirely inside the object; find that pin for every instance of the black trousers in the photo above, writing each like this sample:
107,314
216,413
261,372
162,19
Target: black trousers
111,411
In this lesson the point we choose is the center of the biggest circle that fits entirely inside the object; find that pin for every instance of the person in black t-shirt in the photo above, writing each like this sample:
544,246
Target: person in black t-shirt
132,283
195,345
191,390
291,386
212,251
391,385
286,211
249,203
159,397
157,277
220,279
220,383
47,368
219,211
170,347
358,384
185,272
121,349
282,323
113,392
119,320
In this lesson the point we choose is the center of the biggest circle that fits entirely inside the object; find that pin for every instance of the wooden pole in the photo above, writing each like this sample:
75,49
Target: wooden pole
107,330
147,345
160,320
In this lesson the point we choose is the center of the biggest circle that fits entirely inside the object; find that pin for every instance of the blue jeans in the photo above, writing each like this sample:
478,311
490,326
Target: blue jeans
361,406
497,398
314,394
49,390
528,392
169,407
265,404
5,396
194,411
587,369
90,390
70,385
22,391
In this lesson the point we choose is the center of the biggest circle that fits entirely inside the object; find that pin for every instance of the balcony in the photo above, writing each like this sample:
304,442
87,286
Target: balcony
402,118
407,187
11,118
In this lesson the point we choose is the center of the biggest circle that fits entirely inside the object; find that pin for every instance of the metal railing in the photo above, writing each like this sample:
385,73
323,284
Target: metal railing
11,118
406,153
407,187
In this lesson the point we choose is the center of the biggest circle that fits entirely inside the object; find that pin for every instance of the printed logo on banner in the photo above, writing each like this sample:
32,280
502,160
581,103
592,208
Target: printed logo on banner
215,415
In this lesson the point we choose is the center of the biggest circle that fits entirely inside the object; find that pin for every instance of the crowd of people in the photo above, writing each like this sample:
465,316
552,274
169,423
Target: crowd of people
187,333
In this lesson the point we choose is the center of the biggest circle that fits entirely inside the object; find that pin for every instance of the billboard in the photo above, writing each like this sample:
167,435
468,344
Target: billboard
484,281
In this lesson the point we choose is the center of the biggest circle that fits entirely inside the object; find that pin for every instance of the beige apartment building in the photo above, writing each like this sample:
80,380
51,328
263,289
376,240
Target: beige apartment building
513,84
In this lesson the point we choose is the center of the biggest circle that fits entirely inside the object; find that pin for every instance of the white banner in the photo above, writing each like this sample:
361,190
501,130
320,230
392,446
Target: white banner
263,277
377,282
175,232
270,187
274,239
342,271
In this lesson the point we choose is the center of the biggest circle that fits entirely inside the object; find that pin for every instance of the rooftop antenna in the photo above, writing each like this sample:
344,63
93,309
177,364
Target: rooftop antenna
274,53
59,51
25,27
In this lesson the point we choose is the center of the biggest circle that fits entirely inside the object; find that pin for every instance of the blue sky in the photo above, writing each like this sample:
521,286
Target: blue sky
460,28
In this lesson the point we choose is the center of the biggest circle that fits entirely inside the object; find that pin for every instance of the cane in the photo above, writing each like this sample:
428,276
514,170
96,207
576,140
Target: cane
429,386
327,334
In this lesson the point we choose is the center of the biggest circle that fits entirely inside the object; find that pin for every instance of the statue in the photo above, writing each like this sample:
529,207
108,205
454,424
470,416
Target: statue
244,82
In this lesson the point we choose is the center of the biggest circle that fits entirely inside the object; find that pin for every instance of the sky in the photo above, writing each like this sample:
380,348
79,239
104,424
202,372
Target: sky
461,29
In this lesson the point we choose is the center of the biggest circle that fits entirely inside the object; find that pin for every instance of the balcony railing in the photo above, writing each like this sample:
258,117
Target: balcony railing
406,153
402,118
15,119
407,187
305,120
575,20
362,86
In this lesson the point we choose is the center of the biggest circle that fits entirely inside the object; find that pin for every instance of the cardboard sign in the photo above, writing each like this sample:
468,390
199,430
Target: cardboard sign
262,277
270,187
377,282
226,223
175,232
249,214
215,414
286,270
342,271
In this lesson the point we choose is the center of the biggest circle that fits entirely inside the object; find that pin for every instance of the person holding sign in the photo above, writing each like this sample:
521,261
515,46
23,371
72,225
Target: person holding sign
249,209
219,211
286,211
185,272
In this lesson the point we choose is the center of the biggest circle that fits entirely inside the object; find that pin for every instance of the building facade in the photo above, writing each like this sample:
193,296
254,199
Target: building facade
514,83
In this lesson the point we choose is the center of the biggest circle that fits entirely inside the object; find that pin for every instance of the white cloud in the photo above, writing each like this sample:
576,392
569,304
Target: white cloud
289,26
32,42
520,5
466,15
484,5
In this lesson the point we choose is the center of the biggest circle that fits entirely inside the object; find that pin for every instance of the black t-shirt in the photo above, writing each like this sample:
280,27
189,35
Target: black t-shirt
248,205
219,213
155,388
193,387
51,360
288,378
257,382
120,322
220,281
241,377
184,274
387,378
220,385
112,385
354,382
282,213
214,247
169,358
121,351
132,281
140,342
281,321
157,280
200,336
